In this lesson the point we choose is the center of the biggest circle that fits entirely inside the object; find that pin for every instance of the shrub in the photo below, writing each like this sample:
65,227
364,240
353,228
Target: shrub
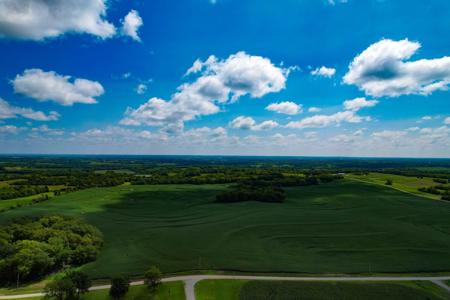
119,287
153,277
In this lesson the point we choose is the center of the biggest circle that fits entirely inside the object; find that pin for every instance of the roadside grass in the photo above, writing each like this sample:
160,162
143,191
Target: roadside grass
226,289
167,291
259,290
342,227
403,183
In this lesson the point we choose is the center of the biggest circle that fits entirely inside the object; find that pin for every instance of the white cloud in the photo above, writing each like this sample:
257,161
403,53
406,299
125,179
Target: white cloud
389,134
248,123
358,103
131,25
426,118
383,70
435,133
47,130
447,121
39,19
50,86
333,2
324,72
8,111
314,109
141,88
10,129
286,107
219,82
319,121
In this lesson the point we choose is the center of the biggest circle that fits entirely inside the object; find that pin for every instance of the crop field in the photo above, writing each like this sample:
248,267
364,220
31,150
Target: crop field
279,290
403,183
341,227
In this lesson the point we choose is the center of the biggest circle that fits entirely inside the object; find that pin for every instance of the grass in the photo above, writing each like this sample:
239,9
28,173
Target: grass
403,183
225,289
167,291
274,290
12,203
343,227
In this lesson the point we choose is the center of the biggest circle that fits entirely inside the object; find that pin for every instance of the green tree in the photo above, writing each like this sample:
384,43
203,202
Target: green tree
119,287
152,277
388,182
81,282
61,289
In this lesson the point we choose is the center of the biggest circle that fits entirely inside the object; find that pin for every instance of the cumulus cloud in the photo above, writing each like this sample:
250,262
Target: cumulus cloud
314,109
324,72
218,82
286,107
50,86
131,24
8,111
40,19
358,103
248,123
319,121
10,129
447,121
384,69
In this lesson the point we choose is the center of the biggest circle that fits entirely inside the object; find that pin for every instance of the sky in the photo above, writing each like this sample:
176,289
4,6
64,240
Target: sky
225,77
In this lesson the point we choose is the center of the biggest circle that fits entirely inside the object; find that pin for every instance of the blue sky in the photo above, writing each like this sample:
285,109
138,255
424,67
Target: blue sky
334,78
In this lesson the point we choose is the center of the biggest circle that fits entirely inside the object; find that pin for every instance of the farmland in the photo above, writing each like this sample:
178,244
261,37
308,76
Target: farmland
259,290
341,227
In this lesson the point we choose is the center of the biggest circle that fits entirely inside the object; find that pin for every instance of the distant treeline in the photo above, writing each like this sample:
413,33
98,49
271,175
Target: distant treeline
269,188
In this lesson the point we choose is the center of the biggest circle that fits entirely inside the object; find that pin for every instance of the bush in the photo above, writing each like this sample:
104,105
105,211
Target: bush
153,278
389,182
119,287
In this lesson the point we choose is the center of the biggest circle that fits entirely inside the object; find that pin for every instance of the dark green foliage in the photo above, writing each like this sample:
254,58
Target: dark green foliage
152,277
388,182
61,289
33,248
252,193
119,287
17,191
70,287
80,280
285,290
440,180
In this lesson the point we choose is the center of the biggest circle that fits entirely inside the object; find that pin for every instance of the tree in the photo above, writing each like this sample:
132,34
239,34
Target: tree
81,282
388,182
61,289
153,277
119,287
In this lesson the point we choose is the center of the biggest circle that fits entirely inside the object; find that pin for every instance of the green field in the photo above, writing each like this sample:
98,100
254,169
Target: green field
403,183
279,290
342,227
167,291
226,289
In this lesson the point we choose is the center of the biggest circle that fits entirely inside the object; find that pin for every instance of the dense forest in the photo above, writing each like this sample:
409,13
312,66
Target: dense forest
32,248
